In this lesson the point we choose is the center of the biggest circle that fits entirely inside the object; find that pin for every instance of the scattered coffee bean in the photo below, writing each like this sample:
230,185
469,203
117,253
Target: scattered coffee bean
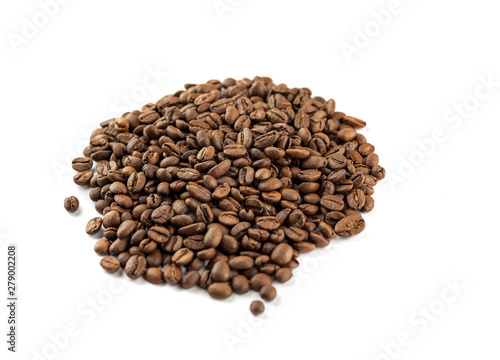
71,204
257,307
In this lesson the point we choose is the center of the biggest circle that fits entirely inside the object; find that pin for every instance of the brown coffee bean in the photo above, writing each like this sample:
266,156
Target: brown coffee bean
240,284
241,262
221,271
135,267
110,264
190,279
183,257
220,290
94,226
268,292
71,204
257,307
82,163
282,254
260,280
283,275
154,275
350,225
102,247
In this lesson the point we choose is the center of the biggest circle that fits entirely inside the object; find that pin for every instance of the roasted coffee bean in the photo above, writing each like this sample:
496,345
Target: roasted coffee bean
241,262
136,266
257,307
240,284
282,254
94,225
182,257
102,247
154,275
83,178
260,280
172,274
350,225
71,204
110,264
82,163
220,290
268,292
283,275
221,271
190,279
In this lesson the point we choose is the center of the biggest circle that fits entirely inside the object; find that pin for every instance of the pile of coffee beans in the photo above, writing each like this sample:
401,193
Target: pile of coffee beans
224,184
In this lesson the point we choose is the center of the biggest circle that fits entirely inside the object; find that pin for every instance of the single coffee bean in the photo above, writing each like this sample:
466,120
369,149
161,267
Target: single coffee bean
82,163
283,275
102,247
260,280
71,204
220,290
110,264
154,275
172,274
257,307
240,284
350,225
268,292
282,254
93,226
135,267
221,271
241,262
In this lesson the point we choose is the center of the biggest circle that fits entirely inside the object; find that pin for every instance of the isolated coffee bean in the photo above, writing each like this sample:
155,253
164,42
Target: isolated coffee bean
102,247
71,204
257,307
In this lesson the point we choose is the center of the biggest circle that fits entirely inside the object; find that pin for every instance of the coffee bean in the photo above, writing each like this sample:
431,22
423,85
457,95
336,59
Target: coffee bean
82,163
110,264
71,204
102,247
240,284
350,225
183,257
154,275
268,292
283,275
220,290
172,274
135,267
257,307
190,279
282,254
241,262
260,280
83,178
93,226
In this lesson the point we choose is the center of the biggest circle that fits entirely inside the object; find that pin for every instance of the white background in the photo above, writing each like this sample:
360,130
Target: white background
435,219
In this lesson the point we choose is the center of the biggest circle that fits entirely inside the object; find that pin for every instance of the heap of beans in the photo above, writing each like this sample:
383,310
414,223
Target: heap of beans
224,184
